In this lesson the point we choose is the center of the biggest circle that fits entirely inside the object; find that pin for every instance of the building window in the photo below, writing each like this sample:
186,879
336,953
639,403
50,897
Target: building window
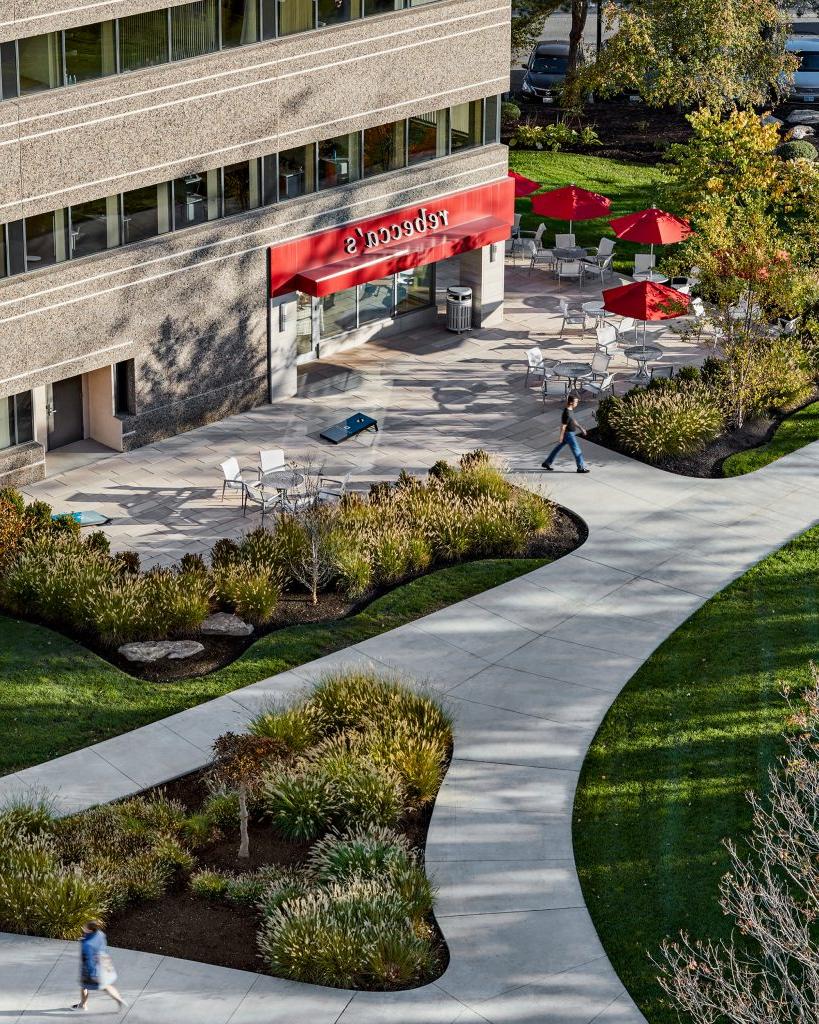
491,120
414,288
467,125
242,187
146,213
375,300
337,313
428,136
269,19
94,226
240,22
196,198
384,148
194,29
16,420
382,6
143,40
40,61
45,239
339,161
332,12
8,70
297,171
124,404
270,179
296,16
90,52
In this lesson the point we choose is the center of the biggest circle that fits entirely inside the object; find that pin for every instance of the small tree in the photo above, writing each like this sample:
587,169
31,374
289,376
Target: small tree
240,760
313,563
772,892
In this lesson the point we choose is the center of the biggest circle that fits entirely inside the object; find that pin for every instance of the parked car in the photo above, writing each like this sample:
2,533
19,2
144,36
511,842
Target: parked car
545,69
805,85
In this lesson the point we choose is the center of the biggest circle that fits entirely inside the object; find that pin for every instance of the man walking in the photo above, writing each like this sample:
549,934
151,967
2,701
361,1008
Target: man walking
568,436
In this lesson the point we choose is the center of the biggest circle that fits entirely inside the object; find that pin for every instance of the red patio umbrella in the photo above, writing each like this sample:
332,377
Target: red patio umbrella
651,227
646,300
571,203
523,186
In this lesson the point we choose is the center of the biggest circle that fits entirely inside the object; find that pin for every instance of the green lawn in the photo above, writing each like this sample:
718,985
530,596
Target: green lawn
793,433
630,187
56,696
665,778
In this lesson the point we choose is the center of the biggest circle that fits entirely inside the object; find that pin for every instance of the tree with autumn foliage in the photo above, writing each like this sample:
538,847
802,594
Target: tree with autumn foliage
240,761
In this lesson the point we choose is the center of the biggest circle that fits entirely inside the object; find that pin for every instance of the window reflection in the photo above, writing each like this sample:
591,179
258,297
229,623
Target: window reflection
194,29
296,172
383,148
94,227
40,61
146,213
45,239
467,125
331,12
242,191
90,52
339,161
491,130
240,22
382,6
375,300
143,40
296,16
196,198
16,420
337,313
414,288
427,136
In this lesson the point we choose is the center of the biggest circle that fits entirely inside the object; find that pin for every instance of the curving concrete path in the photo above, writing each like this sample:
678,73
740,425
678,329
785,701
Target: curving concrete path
530,669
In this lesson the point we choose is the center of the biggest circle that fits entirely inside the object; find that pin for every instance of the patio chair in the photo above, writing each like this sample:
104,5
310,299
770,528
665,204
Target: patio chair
598,265
600,364
572,318
271,460
600,387
333,488
661,370
234,479
565,241
537,253
606,338
627,324
265,499
534,363
554,386
784,328
516,226
643,262
604,248
571,269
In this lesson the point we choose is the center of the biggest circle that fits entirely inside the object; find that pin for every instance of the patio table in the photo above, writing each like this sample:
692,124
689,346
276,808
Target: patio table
650,275
597,309
573,371
574,253
281,479
641,354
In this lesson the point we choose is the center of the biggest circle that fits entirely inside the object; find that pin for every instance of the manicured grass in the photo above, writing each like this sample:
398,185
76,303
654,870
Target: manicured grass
629,186
791,434
56,696
665,778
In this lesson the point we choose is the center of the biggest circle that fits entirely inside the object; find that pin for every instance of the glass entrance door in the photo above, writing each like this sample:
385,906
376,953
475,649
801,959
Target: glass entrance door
306,334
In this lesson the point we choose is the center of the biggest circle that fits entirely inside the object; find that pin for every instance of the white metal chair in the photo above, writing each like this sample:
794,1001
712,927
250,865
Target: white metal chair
271,460
268,500
333,488
661,370
643,262
600,387
565,241
572,318
606,247
534,363
598,265
600,364
606,338
570,269
537,253
627,324
234,479
516,226
554,386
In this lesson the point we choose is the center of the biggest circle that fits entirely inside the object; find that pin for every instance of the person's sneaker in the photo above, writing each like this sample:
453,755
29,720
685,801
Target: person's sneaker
584,470
546,465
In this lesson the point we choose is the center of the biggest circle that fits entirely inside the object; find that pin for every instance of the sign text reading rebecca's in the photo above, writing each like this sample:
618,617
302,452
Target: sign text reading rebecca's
425,221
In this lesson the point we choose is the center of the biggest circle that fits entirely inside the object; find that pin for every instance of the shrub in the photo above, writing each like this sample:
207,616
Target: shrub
661,423
116,611
210,885
360,853
221,809
251,592
224,552
281,886
419,762
190,563
177,603
297,727
13,498
300,806
529,136
362,791
494,530
354,568
98,541
260,549
797,149
127,562
510,113
31,812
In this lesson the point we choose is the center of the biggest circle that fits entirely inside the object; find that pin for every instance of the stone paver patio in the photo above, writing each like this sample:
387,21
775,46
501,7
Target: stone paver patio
529,669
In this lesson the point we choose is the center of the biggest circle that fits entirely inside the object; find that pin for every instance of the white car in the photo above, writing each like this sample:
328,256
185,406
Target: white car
805,86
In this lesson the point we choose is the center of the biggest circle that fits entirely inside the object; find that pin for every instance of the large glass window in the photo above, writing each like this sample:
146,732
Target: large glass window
240,22
467,125
337,313
8,69
41,63
491,123
383,148
16,420
45,239
427,136
146,213
270,179
196,198
414,288
296,16
269,19
194,29
16,241
331,12
296,171
375,300
143,40
339,160
304,324
382,6
94,226
90,52
242,187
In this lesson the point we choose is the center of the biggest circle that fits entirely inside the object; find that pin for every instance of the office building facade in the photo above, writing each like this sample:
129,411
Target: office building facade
195,198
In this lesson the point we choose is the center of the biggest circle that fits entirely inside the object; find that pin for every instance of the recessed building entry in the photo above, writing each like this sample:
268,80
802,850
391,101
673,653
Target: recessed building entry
64,408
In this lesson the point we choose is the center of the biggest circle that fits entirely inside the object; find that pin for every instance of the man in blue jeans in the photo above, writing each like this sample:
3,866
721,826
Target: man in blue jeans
568,436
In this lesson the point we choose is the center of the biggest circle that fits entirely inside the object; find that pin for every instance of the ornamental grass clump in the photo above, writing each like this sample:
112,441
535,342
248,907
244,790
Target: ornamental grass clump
661,423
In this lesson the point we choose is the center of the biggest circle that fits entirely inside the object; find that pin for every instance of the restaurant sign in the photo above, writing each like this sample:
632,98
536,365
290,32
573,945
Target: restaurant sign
364,240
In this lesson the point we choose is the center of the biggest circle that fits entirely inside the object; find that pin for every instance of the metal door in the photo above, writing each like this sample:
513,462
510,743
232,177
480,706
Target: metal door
64,408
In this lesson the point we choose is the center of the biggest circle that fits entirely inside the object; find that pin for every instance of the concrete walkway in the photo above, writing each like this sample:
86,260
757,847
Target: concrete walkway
529,669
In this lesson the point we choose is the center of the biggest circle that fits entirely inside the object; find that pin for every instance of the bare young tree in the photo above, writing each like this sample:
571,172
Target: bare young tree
313,563
771,974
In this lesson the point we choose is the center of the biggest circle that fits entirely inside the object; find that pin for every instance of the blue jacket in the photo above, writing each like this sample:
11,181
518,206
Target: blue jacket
91,946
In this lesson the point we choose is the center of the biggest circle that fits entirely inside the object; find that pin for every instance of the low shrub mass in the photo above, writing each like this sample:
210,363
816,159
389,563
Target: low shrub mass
355,547
660,423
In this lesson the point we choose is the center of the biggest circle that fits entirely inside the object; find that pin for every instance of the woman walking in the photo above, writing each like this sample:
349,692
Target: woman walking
96,966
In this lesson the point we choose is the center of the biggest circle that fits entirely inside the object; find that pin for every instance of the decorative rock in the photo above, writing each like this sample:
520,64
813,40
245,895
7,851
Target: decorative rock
803,117
155,650
770,119
223,624
802,131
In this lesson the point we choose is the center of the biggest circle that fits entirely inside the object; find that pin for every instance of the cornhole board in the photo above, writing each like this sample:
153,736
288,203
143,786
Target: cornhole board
345,429
88,518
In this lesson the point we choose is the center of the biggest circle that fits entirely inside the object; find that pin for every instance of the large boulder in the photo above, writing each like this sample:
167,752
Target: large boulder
802,131
155,650
770,119
223,624
803,117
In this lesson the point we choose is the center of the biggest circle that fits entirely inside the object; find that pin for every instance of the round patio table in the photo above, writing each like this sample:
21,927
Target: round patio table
281,479
573,371
576,252
597,309
641,354
650,275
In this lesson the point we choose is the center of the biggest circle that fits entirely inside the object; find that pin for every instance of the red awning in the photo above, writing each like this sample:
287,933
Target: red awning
403,255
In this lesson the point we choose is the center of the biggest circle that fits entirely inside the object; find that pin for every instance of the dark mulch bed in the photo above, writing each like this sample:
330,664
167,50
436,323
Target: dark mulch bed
184,925
708,462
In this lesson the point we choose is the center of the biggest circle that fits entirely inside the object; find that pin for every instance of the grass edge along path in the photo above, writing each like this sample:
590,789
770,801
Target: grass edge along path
664,780
56,696
793,433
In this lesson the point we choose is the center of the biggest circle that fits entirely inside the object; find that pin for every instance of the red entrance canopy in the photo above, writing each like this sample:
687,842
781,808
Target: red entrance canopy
571,203
523,186
646,300
361,251
651,227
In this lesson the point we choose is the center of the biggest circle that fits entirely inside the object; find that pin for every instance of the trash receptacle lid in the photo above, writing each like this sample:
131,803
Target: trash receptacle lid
459,293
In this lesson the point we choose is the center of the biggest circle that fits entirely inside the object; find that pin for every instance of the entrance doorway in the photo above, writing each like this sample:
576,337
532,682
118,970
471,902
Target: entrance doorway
64,407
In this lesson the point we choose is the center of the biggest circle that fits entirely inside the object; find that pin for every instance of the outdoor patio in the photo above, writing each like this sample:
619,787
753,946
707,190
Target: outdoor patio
435,394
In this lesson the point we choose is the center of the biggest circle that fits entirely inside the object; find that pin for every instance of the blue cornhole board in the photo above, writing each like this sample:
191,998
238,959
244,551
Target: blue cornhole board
84,518
348,428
